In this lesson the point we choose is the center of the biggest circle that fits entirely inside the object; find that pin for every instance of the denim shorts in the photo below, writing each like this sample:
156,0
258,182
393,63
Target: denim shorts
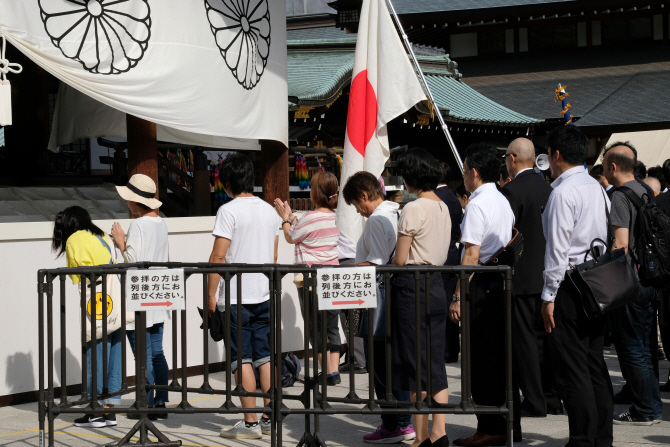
255,334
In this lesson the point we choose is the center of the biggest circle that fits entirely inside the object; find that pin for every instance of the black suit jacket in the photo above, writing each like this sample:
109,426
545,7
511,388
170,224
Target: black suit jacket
528,195
456,214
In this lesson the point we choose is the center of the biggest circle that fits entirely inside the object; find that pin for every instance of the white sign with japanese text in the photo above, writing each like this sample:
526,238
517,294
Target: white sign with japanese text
346,288
155,289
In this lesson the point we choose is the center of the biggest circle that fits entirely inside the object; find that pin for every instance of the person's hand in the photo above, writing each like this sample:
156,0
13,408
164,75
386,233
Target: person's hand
118,236
455,311
548,316
211,305
283,209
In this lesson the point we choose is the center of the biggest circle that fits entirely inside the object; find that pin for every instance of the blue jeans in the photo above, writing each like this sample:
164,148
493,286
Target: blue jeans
157,367
113,367
636,342
255,334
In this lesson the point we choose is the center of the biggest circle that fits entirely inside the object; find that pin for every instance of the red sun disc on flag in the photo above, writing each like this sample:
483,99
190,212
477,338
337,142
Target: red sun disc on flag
362,115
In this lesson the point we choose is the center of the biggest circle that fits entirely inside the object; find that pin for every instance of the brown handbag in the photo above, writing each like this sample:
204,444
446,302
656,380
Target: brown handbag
510,253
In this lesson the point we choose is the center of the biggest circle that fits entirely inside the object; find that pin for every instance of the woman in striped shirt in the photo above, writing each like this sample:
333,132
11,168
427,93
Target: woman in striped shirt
315,237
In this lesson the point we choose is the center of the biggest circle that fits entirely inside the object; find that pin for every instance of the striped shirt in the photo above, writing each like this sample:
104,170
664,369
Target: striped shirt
315,237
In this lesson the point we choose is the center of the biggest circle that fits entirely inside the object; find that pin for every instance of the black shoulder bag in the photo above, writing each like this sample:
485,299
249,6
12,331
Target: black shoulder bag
607,281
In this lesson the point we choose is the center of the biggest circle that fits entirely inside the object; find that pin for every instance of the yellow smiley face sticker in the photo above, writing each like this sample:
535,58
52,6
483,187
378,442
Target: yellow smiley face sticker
98,306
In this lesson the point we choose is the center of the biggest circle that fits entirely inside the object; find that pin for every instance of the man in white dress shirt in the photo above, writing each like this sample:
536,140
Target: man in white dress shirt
574,216
486,228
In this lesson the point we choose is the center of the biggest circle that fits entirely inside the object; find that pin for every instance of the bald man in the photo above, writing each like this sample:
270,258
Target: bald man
633,325
654,184
527,194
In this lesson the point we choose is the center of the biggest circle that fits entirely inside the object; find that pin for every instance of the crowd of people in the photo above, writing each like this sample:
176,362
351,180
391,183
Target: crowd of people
558,358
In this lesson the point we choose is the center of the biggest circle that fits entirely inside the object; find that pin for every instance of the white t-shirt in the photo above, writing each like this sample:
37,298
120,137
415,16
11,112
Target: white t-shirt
251,226
147,241
488,221
379,235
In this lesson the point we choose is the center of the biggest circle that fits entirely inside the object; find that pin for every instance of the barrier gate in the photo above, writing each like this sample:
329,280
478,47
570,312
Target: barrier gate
313,402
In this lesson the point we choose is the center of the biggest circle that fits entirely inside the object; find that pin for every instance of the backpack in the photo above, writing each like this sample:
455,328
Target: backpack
652,241
290,371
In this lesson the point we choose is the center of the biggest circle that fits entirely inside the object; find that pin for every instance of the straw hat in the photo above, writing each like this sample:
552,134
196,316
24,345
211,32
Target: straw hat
140,189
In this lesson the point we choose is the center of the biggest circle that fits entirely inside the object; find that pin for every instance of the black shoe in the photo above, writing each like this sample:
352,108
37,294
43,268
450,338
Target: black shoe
161,415
332,380
532,414
442,442
110,420
426,443
344,368
630,418
666,387
151,417
555,411
91,420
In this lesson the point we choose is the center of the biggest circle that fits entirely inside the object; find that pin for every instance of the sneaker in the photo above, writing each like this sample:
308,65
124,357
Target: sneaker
383,436
332,380
161,415
241,431
90,420
110,420
628,418
266,426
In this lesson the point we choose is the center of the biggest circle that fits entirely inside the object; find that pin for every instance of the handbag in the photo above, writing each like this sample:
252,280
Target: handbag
216,324
113,301
510,253
607,281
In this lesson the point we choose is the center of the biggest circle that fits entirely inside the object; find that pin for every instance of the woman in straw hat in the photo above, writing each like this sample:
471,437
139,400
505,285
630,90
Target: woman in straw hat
146,241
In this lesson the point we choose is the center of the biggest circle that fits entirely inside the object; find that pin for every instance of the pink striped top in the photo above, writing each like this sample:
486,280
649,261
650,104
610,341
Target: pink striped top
315,237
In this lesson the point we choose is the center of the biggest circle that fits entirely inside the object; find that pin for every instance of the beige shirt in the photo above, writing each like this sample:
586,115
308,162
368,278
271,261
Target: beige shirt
429,224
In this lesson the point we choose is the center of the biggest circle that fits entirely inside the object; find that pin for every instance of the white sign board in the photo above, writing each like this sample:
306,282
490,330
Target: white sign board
155,289
346,288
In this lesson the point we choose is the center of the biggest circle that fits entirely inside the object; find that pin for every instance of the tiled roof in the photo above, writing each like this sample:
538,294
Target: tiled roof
423,6
317,77
605,86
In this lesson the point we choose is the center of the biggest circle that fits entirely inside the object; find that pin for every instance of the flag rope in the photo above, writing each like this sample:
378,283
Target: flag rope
424,85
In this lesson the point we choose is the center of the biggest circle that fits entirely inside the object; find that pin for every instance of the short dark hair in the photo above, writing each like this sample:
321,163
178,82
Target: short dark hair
641,170
503,171
596,171
419,169
238,171
143,206
622,143
68,222
461,191
485,159
359,183
324,188
657,173
625,163
666,170
445,172
570,142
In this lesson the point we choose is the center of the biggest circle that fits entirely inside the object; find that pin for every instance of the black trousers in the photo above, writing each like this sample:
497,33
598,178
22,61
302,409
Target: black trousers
581,373
532,360
453,344
487,335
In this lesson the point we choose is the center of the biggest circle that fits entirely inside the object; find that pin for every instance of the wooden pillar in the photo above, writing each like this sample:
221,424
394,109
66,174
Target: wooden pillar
274,167
142,148
202,205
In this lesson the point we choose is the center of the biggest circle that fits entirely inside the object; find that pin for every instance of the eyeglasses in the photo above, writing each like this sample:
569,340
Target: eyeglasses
507,155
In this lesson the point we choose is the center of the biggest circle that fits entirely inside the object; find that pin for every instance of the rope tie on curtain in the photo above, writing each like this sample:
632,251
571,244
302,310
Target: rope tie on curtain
5,88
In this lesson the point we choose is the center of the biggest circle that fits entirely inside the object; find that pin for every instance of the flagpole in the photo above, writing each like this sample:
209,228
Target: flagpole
424,84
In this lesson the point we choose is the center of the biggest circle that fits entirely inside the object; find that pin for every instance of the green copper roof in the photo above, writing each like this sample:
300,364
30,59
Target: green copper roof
316,77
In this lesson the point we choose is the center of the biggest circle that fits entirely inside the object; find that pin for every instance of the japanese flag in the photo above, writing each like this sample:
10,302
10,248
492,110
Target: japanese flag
384,85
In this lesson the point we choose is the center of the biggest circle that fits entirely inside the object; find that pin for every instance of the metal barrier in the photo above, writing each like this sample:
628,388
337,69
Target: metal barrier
314,399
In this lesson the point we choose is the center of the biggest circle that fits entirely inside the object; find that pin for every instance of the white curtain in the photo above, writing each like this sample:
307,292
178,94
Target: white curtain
213,67
79,116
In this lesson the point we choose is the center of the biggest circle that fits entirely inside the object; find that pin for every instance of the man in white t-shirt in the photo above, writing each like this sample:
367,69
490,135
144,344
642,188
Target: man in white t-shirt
246,233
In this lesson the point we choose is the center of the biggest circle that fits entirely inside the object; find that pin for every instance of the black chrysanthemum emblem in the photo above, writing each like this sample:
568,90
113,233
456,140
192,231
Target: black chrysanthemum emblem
242,32
105,36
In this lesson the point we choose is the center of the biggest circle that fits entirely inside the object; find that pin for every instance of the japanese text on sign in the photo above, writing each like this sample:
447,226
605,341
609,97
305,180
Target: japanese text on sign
346,288
155,289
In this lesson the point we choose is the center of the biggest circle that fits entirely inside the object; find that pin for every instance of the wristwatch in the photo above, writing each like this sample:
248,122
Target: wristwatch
455,298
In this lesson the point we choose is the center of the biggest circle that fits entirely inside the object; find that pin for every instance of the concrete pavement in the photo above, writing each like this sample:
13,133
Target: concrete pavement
18,424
